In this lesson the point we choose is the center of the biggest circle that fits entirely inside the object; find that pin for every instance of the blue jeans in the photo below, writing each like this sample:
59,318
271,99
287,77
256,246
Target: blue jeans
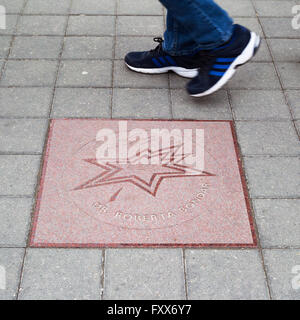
194,25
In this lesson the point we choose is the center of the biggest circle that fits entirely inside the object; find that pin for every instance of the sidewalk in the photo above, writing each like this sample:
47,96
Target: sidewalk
63,59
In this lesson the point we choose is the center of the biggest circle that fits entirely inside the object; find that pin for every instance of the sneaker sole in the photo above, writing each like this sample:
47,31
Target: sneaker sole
186,73
247,54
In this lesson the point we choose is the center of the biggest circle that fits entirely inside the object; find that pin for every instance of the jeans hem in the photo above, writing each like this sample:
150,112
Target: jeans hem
197,48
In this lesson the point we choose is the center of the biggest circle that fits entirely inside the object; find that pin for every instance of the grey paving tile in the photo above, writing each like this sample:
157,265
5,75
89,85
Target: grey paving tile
93,7
282,268
141,103
214,107
18,174
144,274
61,274
22,135
273,8
4,46
265,137
294,101
128,44
36,48
290,75
78,102
12,6
279,27
29,73
255,76
47,7
278,222
147,7
141,26
15,220
88,48
85,74
273,177
91,25
124,77
11,260
285,49
250,23
225,274
42,25
11,24
259,105
263,54
25,102
243,9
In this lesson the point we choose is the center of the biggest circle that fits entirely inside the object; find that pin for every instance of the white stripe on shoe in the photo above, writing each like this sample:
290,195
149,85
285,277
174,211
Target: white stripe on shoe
243,58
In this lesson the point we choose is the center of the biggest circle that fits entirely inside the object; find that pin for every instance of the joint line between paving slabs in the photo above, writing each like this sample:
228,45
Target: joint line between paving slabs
12,40
252,212
113,61
59,61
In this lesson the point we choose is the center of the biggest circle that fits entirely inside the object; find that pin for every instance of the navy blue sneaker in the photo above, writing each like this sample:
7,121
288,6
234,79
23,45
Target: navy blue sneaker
158,61
220,64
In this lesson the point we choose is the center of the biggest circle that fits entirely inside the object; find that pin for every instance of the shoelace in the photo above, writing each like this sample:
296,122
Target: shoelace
159,48
205,57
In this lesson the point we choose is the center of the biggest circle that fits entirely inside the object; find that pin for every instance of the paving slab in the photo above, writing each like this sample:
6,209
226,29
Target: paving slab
142,7
135,206
282,8
294,101
273,177
89,73
126,44
283,272
81,102
278,222
42,25
11,260
279,27
13,6
19,174
265,137
25,102
144,274
5,42
126,78
11,25
215,107
47,7
20,135
259,105
59,274
15,216
141,26
285,49
243,9
255,75
29,73
36,47
225,274
93,7
290,75
141,104
88,48
91,25
263,54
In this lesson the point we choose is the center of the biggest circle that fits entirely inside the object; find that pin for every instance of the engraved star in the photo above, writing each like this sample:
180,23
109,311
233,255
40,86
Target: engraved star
147,177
